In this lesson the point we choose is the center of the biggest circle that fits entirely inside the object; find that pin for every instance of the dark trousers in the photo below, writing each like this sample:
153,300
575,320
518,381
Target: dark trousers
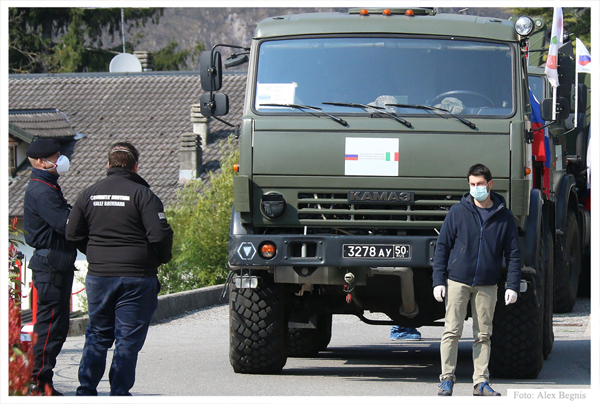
52,321
120,310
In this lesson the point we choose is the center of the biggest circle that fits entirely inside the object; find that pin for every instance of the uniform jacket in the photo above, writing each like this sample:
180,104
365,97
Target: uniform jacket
470,251
122,225
44,220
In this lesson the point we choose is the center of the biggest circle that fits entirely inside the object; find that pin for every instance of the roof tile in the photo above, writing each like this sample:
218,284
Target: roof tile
148,109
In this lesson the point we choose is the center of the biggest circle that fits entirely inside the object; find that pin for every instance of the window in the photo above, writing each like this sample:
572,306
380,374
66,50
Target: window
417,71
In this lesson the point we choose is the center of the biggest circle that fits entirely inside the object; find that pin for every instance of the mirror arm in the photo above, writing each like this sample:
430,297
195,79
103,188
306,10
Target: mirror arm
212,68
545,126
225,122
566,133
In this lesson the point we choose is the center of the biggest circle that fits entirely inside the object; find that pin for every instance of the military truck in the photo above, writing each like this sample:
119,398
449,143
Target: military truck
357,133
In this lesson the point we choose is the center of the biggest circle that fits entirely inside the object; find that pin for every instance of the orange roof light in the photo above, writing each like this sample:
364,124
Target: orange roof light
364,12
410,13
236,167
387,12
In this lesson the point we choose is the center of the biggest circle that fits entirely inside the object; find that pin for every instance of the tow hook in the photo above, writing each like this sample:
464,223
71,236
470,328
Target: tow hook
349,286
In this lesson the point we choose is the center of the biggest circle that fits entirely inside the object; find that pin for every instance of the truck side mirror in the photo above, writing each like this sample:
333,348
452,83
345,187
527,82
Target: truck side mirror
566,75
562,109
211,71
215,105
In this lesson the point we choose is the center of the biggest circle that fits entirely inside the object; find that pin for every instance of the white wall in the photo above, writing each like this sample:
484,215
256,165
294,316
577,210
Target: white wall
79,299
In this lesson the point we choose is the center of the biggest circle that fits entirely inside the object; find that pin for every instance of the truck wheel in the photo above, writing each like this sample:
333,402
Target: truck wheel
547,261
258,331
517,347
585,278
307,342
324,332
567,268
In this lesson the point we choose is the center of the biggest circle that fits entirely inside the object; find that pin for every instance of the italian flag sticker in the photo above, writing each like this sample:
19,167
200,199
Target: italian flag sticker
388,156
371,156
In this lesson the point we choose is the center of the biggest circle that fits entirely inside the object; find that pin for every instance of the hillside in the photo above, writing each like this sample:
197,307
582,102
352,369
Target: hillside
235,26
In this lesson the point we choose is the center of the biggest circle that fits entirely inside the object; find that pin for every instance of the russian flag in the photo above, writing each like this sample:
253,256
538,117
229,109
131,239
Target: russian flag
584,60
351,157
583,57
541,142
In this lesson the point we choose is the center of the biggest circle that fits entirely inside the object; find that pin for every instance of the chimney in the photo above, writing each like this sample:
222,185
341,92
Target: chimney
191,143
190,157
145,59
200,124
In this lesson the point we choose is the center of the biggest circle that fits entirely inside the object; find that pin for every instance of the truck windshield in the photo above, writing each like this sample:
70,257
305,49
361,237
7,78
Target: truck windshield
464,77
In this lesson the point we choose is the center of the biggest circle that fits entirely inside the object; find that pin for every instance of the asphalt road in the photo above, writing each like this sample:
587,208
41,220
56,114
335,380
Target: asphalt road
188,356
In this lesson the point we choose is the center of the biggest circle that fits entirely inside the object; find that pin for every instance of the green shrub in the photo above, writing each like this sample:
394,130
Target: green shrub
200,220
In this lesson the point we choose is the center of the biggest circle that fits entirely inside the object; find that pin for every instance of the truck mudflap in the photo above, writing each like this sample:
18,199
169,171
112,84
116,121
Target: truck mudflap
247,251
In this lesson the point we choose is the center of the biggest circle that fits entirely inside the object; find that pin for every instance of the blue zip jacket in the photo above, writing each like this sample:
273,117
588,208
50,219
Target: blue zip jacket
470,251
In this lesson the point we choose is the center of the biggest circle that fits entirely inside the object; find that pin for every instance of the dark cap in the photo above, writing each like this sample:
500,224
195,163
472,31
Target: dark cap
42,148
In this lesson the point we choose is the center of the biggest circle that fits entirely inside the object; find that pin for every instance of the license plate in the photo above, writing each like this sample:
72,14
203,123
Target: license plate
377,251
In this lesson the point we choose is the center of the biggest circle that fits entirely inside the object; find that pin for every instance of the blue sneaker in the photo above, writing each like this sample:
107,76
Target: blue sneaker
446,387
484,389
402,333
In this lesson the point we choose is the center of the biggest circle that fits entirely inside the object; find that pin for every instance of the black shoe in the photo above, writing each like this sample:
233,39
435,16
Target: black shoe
484,389
446,387
36,390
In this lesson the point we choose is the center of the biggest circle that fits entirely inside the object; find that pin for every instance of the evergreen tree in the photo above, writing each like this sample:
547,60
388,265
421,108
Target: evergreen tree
44,40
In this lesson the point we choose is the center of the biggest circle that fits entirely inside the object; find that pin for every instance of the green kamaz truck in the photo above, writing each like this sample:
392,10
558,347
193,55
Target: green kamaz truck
357,133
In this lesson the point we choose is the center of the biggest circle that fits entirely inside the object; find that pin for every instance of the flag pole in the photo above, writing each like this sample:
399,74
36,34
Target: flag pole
576,96
554,103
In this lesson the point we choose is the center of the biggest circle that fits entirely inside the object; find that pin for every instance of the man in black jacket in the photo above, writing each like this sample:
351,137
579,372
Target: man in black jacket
45,217
475,236
125,234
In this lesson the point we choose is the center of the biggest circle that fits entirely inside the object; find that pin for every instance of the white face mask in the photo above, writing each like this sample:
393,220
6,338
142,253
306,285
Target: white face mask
62,165
480,192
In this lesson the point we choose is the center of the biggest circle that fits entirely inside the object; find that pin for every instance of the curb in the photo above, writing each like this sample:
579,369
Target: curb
170,305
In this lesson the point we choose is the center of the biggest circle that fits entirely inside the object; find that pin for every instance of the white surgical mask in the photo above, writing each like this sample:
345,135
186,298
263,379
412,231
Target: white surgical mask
62,165
480,192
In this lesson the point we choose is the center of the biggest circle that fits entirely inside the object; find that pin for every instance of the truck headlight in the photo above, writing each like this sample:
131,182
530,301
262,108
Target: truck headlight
524,26
273,205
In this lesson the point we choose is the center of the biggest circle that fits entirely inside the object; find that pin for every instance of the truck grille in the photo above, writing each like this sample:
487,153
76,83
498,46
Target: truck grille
429,208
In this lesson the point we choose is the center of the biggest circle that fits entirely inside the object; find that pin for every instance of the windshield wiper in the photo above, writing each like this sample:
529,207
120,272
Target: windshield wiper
378,110
425,107
303,107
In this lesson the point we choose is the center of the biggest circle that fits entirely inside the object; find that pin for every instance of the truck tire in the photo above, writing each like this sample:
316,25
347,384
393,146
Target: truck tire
547,261
258,332
585,277
567,268
307,342
517,347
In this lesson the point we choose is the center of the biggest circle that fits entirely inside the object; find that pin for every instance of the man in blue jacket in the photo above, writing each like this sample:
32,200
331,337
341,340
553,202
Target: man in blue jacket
476,235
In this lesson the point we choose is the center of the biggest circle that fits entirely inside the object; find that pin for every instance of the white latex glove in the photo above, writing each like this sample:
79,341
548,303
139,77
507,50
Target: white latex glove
439,292
510,296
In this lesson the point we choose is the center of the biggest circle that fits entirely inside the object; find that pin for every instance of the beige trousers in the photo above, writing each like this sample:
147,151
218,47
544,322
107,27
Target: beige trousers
483,303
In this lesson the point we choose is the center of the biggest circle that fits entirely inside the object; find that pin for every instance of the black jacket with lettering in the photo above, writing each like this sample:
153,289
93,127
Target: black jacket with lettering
123,225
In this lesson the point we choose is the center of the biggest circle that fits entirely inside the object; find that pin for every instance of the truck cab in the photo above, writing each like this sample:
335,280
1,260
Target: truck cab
357,134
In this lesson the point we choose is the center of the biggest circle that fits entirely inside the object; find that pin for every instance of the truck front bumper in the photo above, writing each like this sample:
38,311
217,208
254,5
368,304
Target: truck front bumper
332,251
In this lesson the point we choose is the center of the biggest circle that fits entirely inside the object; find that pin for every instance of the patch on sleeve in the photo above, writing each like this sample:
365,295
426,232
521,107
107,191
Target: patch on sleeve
161,215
